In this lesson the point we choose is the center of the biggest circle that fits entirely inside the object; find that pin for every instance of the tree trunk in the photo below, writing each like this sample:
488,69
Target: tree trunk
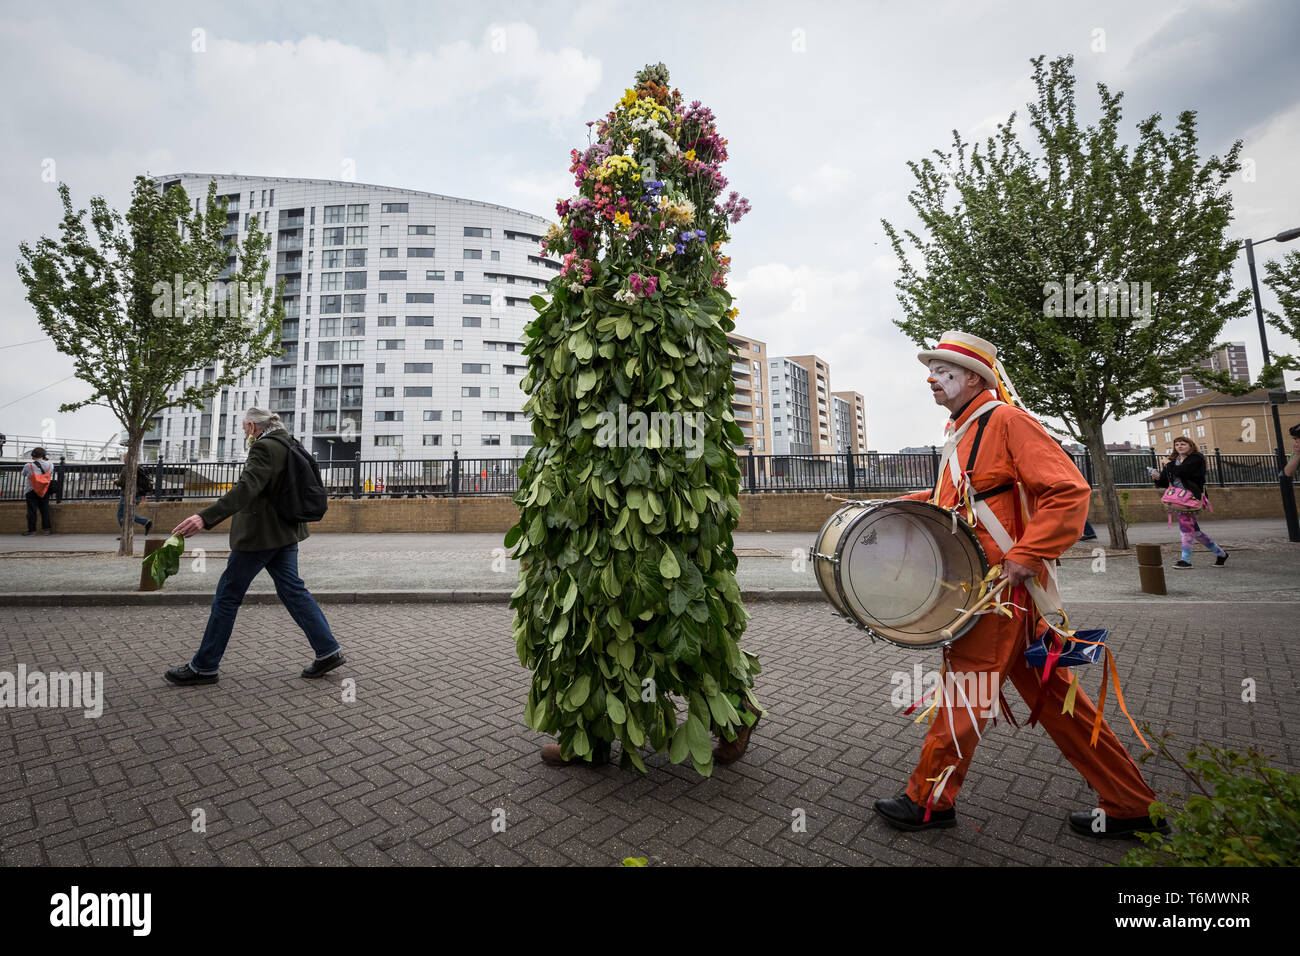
126,547
1104,480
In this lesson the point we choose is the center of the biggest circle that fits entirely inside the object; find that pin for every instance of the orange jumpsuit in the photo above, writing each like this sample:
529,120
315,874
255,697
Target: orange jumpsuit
1014,447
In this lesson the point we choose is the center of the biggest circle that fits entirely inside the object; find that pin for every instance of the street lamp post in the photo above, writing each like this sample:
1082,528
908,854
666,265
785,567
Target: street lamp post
1284,482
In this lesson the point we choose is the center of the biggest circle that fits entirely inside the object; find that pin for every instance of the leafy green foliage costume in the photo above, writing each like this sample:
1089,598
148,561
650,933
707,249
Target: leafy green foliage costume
627,596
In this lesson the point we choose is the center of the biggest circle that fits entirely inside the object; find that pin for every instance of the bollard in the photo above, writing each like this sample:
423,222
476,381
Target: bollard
150,546
1151,571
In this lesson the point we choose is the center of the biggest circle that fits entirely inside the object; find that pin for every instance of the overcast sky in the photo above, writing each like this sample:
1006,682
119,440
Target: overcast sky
823,104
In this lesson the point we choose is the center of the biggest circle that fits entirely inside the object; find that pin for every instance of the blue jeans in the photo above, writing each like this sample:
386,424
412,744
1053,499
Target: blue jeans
121,507
241,568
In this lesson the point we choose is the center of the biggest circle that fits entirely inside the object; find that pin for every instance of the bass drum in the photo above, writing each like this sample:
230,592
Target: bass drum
900,570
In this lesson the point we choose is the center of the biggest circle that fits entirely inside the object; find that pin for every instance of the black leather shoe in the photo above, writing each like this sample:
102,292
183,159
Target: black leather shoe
902,814
1113,828
148,526
184,675
324,665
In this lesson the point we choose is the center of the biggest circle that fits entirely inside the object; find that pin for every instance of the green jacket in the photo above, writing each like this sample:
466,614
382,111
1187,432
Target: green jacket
256,525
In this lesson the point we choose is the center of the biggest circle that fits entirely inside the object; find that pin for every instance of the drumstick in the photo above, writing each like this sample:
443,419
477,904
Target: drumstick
956,625
850,501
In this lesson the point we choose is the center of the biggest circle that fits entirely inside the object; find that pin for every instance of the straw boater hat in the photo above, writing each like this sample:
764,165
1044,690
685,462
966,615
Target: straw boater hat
976,354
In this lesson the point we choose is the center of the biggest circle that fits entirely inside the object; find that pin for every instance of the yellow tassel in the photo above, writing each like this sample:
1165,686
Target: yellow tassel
1068,706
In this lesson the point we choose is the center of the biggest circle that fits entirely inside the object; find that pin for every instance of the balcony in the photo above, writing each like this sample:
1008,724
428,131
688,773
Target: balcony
290,357
325,404
289,333
351,398
292,287
289,245
291,222
352,378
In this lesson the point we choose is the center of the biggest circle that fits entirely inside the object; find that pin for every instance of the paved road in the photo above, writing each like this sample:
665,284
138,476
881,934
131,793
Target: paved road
1263,565
411,772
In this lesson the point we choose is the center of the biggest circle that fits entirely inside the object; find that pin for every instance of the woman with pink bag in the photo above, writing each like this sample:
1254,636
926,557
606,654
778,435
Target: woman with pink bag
1184,476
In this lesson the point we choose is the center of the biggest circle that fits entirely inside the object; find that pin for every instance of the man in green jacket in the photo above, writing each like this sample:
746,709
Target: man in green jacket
259,538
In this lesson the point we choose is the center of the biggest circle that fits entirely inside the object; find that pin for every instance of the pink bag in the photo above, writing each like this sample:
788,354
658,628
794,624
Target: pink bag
1180,499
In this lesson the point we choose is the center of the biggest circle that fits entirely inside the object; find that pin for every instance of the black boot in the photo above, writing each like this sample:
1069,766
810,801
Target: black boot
902,814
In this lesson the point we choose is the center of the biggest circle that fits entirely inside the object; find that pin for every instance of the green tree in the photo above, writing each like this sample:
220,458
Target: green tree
112,303
627,594
1025,249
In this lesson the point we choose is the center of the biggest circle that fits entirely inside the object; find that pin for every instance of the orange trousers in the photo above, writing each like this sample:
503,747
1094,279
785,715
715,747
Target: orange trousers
995,646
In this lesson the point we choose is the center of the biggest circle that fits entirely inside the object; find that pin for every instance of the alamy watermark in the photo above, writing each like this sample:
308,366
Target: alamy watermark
187,300
636,429
1097,299
82,690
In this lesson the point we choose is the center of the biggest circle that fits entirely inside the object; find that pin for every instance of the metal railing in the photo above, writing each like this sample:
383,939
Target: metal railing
460,477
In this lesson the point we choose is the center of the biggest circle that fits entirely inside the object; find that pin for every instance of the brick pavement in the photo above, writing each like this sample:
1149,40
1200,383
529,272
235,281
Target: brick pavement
410,773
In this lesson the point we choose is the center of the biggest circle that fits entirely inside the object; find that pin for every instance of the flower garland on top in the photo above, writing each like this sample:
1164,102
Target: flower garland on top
648,202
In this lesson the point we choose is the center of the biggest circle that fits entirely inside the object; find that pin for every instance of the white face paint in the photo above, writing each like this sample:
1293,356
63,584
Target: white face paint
949,378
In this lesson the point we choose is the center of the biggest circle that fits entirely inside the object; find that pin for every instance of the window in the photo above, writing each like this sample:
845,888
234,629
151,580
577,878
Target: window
383,232
1200,431
356,302
432,439
473,253
494,392
524,440
331,281
356,259
329,328
491,439
331,304
432,416
359,212
418,391
494,323
388,416
471,322
388,252
391,275
333,214
515,369
325,421
390,345
496,256
393,207
327,352
419,368
419,252
426,320
386,321
475,232
435,275
357,235
455,439
332,236
470,391
355,325
353,350
470,298
384,391
272,202
379,367
1184,418
420,230
355,280
456,415
386,439
460,277
1199,416
470,368
419,297
433,344
331,259
383,298
457,344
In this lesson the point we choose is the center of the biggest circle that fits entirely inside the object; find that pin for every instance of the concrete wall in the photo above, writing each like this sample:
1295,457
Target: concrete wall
803,511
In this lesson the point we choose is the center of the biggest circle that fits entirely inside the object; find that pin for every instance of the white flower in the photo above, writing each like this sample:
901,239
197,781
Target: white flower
626,296
576,287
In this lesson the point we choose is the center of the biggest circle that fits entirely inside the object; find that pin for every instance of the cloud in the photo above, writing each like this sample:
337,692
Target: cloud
825,182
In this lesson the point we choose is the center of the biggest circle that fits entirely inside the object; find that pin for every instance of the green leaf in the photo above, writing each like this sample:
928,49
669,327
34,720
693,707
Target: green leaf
668,565
614,707
697,739
579,690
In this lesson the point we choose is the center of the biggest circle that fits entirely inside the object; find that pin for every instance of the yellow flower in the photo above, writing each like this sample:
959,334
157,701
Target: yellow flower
690,154
636,177
628,99
623,219
732,313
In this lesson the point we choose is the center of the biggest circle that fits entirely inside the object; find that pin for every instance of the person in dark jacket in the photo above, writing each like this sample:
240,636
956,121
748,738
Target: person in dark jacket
1186,469
259,538
38,501
143,485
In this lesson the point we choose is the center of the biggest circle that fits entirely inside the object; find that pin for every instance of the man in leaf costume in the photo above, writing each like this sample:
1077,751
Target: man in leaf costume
628,498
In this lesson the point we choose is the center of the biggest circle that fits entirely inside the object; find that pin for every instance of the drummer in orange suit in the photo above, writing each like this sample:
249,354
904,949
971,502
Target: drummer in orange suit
1010,447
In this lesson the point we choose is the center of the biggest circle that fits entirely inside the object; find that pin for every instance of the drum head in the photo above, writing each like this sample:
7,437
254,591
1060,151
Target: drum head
905,575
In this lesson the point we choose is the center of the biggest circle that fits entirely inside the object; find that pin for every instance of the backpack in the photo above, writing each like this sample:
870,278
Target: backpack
299,495
143,485
40,482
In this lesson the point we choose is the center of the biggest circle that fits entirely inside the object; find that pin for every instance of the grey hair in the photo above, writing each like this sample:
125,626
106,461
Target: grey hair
264,418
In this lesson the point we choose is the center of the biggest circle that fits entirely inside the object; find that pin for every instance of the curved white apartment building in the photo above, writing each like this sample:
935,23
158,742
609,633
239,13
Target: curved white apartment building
404,318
